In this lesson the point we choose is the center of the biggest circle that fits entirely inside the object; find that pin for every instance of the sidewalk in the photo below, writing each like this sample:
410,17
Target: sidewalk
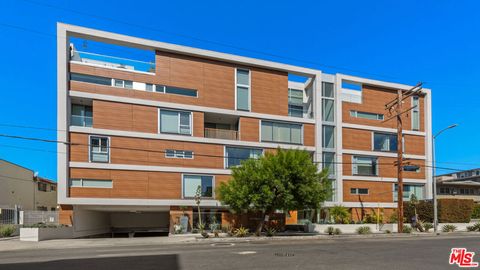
16,244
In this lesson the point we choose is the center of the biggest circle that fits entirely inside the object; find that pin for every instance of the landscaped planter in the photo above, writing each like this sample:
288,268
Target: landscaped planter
39,234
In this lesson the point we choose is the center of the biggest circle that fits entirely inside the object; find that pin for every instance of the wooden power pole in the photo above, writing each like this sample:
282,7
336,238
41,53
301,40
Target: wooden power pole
397,105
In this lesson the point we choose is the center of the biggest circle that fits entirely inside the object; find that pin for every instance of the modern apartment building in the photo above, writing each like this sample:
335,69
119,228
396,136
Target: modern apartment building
145,134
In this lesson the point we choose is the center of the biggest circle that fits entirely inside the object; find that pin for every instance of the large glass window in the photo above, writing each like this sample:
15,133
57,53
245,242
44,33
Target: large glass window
90,79
408,190
243,89
81,116
99,149
235,155
281,132
416,113
177,122
384,142
364,166
295,103
328,90
192,182
328,135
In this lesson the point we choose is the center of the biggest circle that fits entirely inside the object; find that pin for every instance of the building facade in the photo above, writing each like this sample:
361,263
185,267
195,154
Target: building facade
143,135
20,187
459,185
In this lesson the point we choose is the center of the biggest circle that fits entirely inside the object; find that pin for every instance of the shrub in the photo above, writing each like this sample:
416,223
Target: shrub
270,231
476,211
424,210
364,230
455,210
474,228
7,230
337,231
330,230
339,213
449,228
427,226
407,229
388,231
241,232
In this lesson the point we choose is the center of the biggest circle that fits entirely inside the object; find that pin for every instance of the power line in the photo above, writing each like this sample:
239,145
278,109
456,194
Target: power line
203,40
196,154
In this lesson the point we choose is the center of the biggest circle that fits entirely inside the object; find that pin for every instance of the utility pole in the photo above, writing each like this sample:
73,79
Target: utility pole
397,105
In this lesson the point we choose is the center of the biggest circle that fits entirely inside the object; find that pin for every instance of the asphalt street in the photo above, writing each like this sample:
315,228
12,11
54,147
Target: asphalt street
386,253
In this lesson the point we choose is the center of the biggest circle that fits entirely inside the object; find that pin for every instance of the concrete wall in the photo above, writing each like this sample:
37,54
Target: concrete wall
88,222
16,186
126,219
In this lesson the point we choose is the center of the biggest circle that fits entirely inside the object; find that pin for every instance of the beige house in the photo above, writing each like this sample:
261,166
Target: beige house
459,185
20,186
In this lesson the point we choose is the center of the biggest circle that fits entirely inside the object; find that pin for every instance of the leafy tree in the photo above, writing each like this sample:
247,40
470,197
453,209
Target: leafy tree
285,180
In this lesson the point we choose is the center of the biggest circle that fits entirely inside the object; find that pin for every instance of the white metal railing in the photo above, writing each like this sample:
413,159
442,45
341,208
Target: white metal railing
221,134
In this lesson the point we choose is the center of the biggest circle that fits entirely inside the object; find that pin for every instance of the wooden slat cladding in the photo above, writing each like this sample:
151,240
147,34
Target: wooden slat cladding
122,116
133,184
373,101
249,129
309,135
269,92
205,155
377,191
386,168
358,139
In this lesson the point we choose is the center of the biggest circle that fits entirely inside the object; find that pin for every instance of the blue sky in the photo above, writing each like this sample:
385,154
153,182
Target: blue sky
402,41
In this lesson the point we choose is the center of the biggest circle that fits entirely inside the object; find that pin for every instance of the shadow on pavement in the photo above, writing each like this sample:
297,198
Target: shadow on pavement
157,262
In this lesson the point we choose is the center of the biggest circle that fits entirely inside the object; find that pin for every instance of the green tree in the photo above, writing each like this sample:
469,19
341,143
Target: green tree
285,180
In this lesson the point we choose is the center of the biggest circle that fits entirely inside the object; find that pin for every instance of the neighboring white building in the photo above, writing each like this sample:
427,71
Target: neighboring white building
20,187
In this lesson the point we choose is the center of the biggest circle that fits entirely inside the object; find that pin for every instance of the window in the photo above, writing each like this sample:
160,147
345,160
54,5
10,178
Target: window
384,142
328,134
149,87
53,188
235,155
243,89
366,115
327,110
170,153
364,166
359,191
327,90
91,183
408,190
82,115
42,186
176,122
90,79
123,83
99,149
281,132
416,113
175,90
192,182
295,103
328,160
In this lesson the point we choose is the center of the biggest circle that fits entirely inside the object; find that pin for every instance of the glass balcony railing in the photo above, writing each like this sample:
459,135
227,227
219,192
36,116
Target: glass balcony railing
225,134
112,61
81,121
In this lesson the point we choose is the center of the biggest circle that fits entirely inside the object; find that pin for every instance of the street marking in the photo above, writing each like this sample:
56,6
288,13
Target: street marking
246,252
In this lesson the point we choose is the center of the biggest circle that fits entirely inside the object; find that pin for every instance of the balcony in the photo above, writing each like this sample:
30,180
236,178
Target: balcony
220,126
225,134
82,121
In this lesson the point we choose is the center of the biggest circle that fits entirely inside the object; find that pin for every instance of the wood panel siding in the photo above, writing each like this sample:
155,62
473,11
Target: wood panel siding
386,168
249,129
359,139
269,92
309,135
122,116
133,184
377,191
205,155
65,215
198,124
373,101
